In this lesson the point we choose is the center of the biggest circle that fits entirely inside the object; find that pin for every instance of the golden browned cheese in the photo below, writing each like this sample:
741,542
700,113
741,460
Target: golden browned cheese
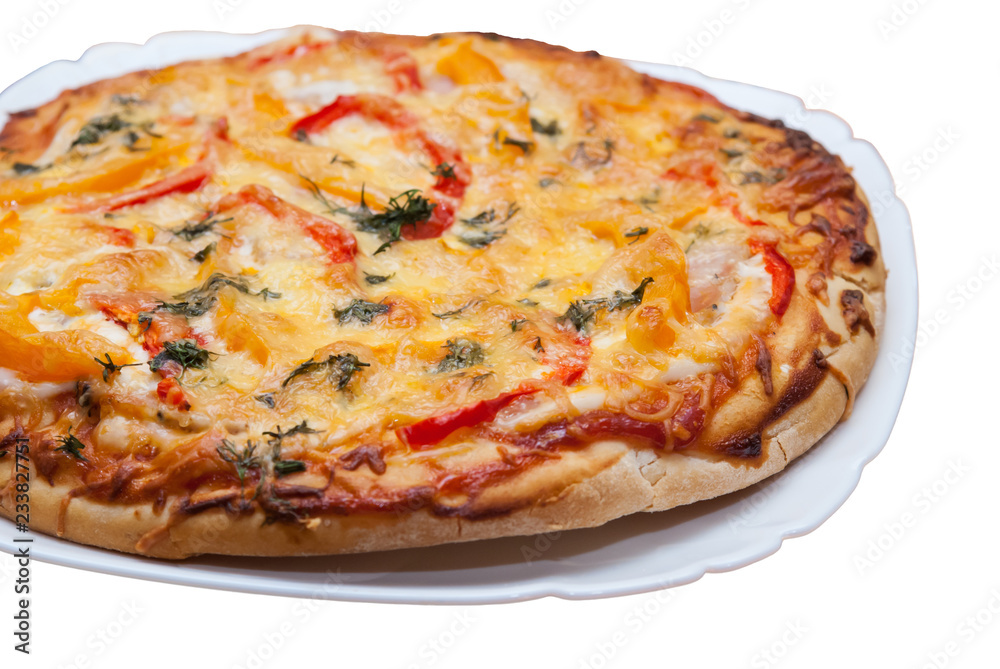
388,267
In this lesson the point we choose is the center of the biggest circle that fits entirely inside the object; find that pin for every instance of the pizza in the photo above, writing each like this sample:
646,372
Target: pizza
350,292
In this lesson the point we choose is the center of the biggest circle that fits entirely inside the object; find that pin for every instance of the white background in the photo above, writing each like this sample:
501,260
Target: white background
917,79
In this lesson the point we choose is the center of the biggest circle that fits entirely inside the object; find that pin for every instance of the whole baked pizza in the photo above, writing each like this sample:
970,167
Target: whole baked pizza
350,292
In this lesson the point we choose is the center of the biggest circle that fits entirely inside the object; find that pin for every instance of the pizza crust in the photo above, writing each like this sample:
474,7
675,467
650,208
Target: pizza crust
613,479
586,487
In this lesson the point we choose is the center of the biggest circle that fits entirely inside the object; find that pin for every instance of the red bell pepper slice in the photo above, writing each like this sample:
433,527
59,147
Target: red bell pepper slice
396,117
782,276
119,236
402,67
340,245
288,53
169,391
433,430
694,170
187,180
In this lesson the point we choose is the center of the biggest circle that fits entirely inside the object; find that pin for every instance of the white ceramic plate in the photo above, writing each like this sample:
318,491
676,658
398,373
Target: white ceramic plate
634,554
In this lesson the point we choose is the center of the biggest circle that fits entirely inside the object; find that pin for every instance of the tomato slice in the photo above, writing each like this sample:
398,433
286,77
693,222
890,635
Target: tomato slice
433,430
339,244
782,276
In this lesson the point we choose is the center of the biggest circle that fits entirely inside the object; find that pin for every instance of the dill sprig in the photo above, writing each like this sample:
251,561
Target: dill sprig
360,310
340,369
407,208
581,312
200,300
94,130
244,459
193,229
110,367
72,446
185,352
462,353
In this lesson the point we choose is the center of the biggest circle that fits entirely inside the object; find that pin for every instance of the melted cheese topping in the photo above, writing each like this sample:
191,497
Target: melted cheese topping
580,243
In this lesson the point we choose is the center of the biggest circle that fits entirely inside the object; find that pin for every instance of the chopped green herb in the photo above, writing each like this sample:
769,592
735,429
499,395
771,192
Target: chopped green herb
343,161
542,284
581,312
479,378
317,193
444,170
528,303
526,146
148,129
482,240
28,168
361,311
551,128
130,139
125,100
732,153
456,312
515,324
185,352
373,279
267,399
489,216
755,177
193,229
286,467
202,256
71,446
620,300
462,353
110,367
538,345
244,460
706,118
637,233
547,181
407,208
95,130
278,434
340,369
198,301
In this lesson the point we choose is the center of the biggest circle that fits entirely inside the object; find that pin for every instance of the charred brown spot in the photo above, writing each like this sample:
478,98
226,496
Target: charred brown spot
854,311
9,442
818,224
200,502
746,447
816,284
368,454
819,359
763,364
591,54
862,253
